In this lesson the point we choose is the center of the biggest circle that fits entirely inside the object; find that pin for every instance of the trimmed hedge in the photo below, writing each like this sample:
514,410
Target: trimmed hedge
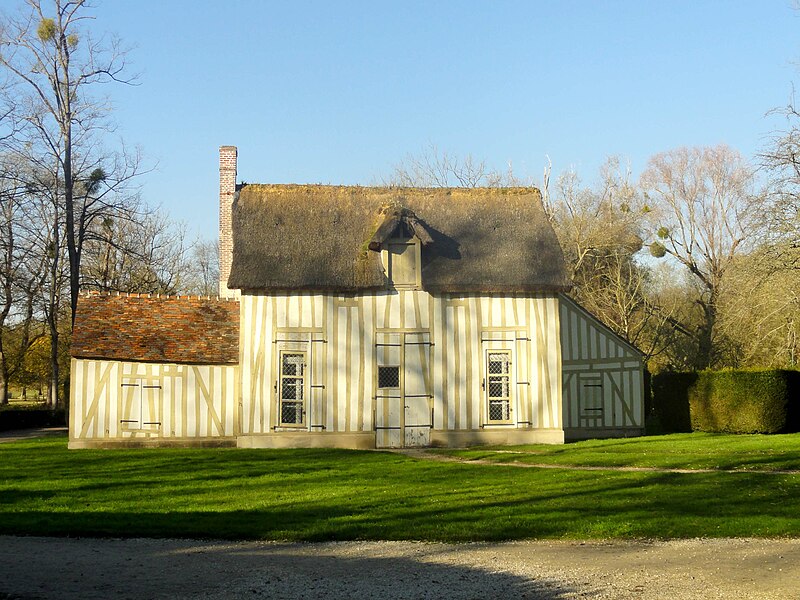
26,418
763,401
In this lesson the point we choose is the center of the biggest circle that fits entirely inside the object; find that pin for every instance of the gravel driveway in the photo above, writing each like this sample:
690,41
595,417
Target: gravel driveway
34,567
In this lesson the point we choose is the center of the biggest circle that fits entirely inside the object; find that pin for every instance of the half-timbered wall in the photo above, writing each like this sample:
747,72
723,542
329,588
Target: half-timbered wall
345,339
116,401
602,376
310,363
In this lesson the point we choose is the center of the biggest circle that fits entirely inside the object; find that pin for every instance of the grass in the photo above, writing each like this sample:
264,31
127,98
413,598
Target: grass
15,404
678,451
315,494
33,398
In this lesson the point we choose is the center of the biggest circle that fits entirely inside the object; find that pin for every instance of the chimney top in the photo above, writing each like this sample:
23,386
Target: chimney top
227,189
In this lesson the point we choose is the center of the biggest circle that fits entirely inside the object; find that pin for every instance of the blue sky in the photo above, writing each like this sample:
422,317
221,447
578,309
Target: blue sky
339,92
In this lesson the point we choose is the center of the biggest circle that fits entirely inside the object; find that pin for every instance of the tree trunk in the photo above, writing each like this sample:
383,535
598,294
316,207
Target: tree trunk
705,335
3,379
73,253
52,395
52,318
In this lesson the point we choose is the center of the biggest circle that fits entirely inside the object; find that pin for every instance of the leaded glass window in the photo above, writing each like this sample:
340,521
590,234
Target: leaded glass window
498,386
388,377
292,388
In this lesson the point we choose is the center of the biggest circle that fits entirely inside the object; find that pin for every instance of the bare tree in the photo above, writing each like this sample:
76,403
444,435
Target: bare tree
204,269
781,160
54,63
599,229
47,220
21,272
759,312
146,255
546,201
705,213
433,168
592,224
9,193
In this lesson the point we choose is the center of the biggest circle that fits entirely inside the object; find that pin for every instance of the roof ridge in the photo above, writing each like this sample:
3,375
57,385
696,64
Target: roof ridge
102,294
395,188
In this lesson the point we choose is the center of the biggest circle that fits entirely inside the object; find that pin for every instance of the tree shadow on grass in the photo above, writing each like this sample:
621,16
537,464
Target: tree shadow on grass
16,496
543,505
141,568
319,495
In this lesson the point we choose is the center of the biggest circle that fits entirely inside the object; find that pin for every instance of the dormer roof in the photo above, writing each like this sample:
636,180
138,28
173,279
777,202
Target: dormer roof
396,221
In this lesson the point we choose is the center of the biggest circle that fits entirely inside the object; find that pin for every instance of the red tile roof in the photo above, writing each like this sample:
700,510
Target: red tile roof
157,329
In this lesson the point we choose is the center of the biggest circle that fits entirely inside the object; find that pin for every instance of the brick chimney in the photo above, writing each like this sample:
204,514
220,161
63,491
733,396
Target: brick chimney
227,190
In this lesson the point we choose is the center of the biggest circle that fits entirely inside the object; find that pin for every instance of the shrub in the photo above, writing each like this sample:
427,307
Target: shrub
671,401
763,401
29,418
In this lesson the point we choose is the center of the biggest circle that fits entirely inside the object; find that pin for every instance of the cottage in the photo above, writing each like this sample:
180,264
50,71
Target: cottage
359,317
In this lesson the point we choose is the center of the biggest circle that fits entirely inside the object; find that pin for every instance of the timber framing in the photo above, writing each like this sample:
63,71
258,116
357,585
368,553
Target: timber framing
467,339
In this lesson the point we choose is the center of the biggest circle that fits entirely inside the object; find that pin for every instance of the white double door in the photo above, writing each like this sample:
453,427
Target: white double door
403,416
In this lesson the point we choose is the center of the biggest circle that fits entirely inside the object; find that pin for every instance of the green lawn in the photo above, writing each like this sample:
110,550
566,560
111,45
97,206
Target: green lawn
340,494
678,451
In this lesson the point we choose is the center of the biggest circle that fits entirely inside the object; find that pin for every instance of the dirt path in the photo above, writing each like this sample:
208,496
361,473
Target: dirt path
32,567
15,435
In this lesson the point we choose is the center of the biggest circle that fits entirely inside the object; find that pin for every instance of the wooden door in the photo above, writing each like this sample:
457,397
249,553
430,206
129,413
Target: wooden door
389,390
389,420
403,397
416,391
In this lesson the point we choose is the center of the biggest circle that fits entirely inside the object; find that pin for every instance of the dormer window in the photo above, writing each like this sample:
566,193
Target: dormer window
402,263
399,239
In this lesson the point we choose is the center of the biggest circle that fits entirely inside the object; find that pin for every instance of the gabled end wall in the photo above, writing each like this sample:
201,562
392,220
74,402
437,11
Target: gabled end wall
602,378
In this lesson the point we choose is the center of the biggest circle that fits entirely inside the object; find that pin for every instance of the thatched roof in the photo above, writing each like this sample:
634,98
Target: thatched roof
156,329
394,218
317,237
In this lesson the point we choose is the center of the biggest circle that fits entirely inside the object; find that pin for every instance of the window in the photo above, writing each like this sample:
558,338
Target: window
141,400
591,396
388,377
292,388
403,263
498,388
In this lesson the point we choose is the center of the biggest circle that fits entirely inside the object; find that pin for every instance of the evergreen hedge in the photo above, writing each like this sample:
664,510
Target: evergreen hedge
730,401
30,418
